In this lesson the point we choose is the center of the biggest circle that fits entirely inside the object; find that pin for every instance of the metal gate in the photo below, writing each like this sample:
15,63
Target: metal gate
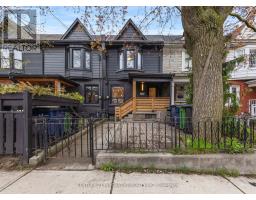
63,137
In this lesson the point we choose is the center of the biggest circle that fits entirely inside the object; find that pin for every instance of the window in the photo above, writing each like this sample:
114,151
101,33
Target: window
91,94
117,95
186,61
87,60
235,89
17,56
252,58
139,60
121,60
5,58
76,58
130,59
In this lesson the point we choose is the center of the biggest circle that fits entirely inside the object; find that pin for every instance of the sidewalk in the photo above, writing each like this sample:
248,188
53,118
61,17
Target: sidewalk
95,181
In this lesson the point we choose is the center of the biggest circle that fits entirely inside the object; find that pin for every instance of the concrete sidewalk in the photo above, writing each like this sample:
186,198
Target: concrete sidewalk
95,181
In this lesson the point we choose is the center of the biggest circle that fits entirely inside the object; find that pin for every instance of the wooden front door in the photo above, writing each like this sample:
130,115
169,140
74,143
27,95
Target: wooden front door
152,92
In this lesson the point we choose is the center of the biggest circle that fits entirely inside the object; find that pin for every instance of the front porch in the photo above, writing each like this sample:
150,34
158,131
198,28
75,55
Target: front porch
150,93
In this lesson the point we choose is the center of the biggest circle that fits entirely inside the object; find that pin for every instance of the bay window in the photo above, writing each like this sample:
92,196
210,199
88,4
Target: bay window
130,59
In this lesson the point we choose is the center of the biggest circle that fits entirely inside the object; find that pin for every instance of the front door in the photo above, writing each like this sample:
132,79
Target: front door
152,92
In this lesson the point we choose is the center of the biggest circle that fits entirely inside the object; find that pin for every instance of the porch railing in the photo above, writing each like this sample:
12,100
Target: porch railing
144,104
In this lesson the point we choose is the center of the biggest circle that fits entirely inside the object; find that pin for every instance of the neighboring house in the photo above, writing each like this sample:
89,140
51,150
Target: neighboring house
176,61
243,78
126,76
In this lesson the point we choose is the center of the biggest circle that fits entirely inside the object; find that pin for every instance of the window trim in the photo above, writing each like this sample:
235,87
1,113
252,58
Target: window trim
91,85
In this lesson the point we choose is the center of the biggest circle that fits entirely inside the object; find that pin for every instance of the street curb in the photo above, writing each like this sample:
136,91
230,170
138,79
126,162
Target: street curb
242,163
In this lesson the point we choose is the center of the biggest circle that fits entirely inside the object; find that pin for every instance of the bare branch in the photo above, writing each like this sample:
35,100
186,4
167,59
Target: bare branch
247,23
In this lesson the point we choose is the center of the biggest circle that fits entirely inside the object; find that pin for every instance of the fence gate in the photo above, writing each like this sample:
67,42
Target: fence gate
63,138
11,133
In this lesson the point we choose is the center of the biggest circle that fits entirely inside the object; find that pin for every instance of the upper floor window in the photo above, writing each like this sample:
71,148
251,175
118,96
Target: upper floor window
5,58
76,54
81,59
186,61
17,57
10,59
252,58
87,60
130,59
121,60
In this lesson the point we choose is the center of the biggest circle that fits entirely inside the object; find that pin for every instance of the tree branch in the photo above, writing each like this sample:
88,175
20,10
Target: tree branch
247,23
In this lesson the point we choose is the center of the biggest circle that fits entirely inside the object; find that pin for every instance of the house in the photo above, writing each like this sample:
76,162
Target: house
123,74
243,78
177,62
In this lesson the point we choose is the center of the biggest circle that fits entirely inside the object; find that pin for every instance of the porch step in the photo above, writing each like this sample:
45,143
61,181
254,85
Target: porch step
145,116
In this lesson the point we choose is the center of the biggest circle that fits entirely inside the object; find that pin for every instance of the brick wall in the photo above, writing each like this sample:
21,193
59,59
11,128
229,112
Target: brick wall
246,94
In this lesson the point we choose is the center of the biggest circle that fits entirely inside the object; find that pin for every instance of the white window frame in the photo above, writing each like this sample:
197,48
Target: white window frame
184,56
237,87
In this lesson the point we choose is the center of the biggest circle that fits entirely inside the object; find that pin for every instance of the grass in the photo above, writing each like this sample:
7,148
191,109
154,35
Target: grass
200,146
110,167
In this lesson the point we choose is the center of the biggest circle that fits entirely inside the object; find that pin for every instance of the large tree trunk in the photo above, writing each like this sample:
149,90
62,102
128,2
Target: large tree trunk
204,41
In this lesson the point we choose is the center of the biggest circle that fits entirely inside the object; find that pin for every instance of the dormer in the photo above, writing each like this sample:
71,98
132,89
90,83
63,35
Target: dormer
130,32
77,31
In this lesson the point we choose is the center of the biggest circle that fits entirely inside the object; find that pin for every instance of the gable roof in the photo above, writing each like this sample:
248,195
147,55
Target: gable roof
131,24
73,26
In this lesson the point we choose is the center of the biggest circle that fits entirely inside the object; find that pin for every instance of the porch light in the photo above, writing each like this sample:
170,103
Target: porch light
142,86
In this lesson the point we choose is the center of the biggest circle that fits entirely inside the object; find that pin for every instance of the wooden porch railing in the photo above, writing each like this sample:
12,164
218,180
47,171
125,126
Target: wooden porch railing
146,104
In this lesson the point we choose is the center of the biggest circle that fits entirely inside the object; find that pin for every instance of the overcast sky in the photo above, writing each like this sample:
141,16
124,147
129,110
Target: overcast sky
62,17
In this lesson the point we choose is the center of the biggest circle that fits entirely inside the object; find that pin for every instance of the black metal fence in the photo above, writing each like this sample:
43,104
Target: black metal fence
81,137
62,137
230,135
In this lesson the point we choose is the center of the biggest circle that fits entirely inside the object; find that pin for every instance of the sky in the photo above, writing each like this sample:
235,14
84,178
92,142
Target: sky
60,18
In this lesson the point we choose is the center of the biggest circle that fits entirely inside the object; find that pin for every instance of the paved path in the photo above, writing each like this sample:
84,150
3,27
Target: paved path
95,181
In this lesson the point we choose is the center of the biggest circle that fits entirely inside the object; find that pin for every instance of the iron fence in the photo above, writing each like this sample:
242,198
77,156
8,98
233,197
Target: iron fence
81,137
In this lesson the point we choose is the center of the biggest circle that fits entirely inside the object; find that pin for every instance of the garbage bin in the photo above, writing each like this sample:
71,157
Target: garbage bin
181,116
